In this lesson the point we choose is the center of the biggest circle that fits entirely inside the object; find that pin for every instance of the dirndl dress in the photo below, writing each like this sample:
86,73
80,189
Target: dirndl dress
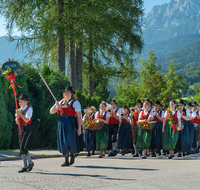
183,142
66,134
157,131
192,139
125,140
90,140
102,138
169,137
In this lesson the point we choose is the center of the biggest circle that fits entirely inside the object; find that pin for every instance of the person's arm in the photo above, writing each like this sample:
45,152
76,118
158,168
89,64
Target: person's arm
116,115
164,122
24,118
187,118
54,108
17,119
127,118
79,122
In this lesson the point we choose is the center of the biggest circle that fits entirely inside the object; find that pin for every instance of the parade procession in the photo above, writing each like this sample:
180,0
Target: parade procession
145,129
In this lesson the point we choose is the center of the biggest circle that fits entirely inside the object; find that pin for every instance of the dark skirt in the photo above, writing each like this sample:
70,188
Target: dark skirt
90,140
144,138
191,131
66,134
125,140
79,139
169,138
183,142
156,141
102,138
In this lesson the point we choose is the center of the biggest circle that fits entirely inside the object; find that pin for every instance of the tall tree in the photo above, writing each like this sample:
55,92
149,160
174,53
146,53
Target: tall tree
61,40
152,82
174,84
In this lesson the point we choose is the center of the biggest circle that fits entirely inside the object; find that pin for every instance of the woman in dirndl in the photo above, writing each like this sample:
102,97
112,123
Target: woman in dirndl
69,124
183,143
125,139
196,125
156,141
143,135
190,118
102,135
90,140
170,135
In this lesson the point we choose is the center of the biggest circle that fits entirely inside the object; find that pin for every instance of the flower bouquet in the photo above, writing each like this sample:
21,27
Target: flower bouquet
94,125
173,123
146,125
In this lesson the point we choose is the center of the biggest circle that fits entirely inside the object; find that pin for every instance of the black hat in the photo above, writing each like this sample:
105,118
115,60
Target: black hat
69,88
125,106
158,103
195,103
24,97
113,101
138,101
147,99
166,106
90,105
181,102
189,104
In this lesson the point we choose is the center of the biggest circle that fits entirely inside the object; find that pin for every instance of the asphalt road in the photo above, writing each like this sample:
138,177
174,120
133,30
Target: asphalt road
120,172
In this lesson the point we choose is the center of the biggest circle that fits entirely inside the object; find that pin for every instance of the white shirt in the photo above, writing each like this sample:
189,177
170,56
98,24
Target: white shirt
29,112
178,114
118,113
192,114
107,114
150,115
76,105
162,113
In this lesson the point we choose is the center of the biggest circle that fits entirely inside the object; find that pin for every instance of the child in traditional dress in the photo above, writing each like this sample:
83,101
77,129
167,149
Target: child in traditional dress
24,117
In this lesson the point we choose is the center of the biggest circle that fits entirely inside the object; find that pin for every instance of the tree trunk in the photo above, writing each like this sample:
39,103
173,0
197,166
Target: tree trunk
60,40
90,66
72,63
78,54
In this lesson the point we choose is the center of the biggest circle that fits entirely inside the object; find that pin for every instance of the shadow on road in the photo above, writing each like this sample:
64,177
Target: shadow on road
115,168
84,175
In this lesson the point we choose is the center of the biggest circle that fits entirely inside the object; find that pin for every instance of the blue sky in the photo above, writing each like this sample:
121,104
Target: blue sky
148,4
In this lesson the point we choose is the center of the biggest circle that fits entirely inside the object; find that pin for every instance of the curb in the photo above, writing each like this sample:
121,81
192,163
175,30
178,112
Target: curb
42,156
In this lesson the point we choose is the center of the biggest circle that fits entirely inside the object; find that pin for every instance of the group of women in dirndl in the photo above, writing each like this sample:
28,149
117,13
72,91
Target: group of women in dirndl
174,129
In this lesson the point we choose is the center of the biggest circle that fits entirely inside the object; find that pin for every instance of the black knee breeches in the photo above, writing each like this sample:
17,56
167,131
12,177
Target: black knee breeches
23,138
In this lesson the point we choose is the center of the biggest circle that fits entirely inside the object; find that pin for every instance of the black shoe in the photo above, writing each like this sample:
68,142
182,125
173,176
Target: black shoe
159,153
164,154
123,154
197,150
111,154
183,153
179,155
88,154
22,170
72,159
153,155
100,156
30,167
136,155
115,153
147,155
192,152
65,164
170,157
93,152
144,157
76,154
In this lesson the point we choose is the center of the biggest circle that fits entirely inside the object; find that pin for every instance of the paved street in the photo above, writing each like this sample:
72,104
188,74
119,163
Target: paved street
120,172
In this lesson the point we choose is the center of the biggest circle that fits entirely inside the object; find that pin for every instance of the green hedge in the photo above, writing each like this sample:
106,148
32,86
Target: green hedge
44,125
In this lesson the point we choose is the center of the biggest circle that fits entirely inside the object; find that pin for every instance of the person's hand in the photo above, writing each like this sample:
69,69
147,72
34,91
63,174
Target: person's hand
163,130
79,132
83,131
18,112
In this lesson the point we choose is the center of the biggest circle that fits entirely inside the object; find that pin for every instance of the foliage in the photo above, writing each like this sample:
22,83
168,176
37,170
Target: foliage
174,84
